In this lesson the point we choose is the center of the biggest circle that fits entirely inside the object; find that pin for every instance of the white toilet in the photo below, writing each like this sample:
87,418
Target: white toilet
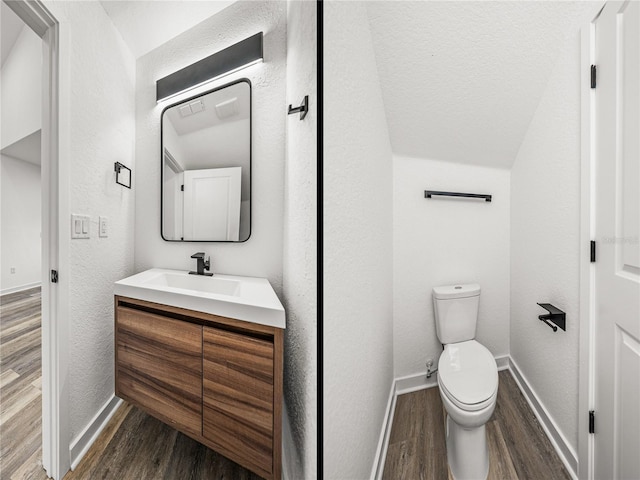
468,380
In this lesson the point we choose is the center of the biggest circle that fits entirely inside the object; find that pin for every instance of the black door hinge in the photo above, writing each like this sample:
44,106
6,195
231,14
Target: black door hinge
182,188
593,251
593,76
54,276
592,421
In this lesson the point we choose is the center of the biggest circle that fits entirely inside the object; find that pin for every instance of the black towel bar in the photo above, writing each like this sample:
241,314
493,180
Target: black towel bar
429,193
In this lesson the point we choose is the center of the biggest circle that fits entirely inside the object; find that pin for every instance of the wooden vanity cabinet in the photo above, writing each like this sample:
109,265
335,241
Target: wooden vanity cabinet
216,379
159,366
237,396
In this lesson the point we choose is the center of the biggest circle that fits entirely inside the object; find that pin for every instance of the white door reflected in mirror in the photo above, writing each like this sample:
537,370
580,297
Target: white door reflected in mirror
212,204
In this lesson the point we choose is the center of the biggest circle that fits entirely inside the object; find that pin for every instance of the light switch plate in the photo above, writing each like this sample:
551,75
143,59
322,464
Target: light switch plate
103,227
80,226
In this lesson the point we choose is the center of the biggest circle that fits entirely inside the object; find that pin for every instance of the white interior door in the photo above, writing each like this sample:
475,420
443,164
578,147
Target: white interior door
212,204
617,269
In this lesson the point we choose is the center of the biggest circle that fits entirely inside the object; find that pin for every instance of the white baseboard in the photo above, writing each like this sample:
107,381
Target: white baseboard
557,439
383,442
413,383
20,288
503,362
83,442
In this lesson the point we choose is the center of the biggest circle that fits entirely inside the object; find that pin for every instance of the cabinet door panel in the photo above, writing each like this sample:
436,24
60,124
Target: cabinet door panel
159,367
238,397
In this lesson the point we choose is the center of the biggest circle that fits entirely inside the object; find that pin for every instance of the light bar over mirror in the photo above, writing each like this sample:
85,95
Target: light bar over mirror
224,62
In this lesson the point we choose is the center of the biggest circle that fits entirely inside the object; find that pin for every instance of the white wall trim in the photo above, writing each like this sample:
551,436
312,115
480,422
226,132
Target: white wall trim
20,288
413,383
557,439
83,442
55,405
586,367
419,381
503,362
383,442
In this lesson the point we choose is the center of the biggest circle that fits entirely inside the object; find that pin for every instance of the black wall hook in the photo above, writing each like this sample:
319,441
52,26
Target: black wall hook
303,109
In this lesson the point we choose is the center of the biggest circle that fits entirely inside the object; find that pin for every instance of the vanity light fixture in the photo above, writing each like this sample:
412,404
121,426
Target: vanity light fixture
236,57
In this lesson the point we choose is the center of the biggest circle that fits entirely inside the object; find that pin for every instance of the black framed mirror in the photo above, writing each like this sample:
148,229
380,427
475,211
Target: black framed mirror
206,166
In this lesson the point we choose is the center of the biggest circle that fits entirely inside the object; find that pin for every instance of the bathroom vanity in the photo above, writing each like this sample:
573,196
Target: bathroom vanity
216,378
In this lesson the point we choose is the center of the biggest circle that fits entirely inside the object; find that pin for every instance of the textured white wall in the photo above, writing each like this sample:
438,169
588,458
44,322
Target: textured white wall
20,100
100,120
21,89
20,227
300,241
545,208
357,315
444,241
462,80
146,24
261,255
223,145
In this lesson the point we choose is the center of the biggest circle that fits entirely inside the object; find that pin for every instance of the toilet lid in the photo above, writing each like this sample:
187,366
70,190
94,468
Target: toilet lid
468,371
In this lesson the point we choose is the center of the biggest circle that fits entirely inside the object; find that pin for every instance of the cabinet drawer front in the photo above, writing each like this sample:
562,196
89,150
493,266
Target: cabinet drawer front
235,440
238,395
159,366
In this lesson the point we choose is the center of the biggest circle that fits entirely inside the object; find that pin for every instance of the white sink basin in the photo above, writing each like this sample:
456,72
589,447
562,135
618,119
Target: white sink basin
198,283
245,298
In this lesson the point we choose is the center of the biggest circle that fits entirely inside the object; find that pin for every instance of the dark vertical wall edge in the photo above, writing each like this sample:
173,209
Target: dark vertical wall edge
320,198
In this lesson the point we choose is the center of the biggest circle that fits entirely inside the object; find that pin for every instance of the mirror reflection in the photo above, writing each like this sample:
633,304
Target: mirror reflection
206,166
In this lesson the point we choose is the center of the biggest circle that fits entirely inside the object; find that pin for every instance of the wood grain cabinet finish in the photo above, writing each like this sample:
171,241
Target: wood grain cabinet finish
238,396
159,366
216,379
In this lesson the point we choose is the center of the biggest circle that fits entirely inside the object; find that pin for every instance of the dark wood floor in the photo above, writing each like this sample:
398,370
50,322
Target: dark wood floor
133,446
518,447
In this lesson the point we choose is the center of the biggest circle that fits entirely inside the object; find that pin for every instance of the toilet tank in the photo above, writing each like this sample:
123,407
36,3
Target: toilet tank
456,311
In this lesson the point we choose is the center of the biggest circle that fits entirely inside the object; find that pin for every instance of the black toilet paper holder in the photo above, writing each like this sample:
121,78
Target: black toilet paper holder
555,318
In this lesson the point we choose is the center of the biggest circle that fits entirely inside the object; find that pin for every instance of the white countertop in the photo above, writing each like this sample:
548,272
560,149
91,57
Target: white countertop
254,301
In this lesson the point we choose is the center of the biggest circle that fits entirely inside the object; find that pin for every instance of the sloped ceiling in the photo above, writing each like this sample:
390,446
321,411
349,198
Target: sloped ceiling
27,149
10,28
147,24
462,80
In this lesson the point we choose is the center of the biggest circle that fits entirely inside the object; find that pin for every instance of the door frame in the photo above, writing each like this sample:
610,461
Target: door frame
586,369
55,403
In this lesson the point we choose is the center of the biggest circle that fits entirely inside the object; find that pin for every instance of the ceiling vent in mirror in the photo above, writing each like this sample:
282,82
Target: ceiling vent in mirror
191,108
228,108
231,59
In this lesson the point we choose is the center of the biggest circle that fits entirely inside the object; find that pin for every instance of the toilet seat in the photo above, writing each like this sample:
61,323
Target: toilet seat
468,375
469,407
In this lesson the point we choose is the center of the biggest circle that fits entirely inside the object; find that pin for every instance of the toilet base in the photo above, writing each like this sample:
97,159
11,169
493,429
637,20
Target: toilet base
467,452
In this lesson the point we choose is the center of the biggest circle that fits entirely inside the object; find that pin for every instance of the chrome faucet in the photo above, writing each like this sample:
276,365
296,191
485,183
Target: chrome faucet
202,264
